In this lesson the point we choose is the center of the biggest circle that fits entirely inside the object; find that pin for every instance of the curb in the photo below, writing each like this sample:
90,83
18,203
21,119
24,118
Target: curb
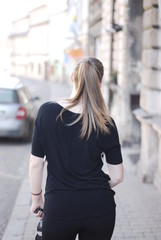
17,223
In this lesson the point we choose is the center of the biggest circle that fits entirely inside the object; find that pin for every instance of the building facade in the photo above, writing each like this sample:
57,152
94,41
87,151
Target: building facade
29,45
48,42
149,113
114,28
19,46
129,45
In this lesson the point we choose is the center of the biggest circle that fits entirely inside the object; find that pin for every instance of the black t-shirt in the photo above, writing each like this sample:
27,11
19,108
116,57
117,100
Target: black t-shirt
74,165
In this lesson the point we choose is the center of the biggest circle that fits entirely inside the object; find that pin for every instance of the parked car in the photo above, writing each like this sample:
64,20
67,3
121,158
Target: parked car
17,109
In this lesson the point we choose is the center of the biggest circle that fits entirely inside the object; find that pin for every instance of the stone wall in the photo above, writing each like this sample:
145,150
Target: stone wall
132,61
149,114
106,45
121,101
117,60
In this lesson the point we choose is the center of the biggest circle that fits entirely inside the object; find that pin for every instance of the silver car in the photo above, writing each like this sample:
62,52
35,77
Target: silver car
17,110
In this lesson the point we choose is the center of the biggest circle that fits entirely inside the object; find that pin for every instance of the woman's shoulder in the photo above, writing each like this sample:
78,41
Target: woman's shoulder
110,139
112,129
48,107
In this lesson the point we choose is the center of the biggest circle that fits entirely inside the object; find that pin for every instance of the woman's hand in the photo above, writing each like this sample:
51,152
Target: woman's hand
36,174
37,202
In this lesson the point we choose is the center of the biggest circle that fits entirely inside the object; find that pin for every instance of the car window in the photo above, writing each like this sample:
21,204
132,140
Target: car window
8,96
22,95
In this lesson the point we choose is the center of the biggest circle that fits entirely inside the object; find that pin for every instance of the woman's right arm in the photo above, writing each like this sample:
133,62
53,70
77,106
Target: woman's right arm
36,167
116,173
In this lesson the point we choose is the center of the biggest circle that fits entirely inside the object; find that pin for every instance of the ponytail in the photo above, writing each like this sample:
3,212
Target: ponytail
88,76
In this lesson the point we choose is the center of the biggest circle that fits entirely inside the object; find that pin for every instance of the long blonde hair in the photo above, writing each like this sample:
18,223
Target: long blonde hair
88,76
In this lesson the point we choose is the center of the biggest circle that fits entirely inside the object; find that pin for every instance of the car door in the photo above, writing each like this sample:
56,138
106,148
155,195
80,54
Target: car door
8,106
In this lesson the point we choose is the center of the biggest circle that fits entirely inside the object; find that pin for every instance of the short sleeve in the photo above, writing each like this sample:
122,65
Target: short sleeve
111,145
37,147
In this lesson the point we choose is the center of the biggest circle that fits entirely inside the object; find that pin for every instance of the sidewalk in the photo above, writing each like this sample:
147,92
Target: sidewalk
138,206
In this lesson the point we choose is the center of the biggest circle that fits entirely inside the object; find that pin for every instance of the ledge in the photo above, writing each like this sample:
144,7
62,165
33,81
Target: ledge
141,115
157,125
153,120
114,87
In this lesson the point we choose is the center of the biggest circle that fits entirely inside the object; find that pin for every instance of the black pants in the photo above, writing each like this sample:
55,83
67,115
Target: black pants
98,228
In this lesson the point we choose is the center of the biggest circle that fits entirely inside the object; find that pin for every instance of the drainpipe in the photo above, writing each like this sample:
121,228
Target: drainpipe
112,38
159,36
159,3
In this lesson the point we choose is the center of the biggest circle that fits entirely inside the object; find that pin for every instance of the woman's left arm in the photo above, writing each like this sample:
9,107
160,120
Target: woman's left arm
36,167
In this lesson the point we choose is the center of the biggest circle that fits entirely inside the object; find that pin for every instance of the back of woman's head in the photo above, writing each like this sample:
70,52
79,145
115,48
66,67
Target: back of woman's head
87,78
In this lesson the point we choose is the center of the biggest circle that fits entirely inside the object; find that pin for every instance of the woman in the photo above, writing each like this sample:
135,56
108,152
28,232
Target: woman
73,134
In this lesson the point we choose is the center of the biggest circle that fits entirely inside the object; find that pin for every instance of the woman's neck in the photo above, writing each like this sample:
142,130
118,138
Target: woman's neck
77,108
73,92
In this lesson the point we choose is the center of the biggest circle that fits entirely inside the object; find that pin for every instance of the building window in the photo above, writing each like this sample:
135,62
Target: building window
31,67
39,69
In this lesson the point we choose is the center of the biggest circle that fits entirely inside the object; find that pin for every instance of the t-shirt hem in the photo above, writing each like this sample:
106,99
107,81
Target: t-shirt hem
81,218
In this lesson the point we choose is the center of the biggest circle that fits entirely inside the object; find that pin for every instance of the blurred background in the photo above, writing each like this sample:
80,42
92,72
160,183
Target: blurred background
40,43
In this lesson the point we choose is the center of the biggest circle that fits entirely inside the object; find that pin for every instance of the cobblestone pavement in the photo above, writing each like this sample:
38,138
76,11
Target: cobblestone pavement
138,207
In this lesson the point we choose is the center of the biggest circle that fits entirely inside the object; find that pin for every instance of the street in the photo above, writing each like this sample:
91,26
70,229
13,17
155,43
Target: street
14,154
